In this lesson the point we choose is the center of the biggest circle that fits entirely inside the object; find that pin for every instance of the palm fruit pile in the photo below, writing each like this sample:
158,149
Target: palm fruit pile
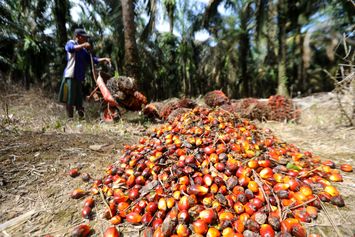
282,108
124,90
212,173
216,98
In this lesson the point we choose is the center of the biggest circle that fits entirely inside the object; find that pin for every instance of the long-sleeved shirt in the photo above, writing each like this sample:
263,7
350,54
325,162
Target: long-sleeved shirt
77,61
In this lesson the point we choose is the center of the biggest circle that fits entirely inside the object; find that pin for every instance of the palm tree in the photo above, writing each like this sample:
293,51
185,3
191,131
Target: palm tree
132,64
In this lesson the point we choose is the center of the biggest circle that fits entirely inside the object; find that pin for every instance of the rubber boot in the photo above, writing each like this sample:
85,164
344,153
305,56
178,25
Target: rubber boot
81,112
70,111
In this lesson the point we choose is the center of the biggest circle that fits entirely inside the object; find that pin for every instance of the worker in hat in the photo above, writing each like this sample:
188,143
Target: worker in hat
78,58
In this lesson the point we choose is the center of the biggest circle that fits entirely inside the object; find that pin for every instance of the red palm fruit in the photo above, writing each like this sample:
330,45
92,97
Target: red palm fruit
298,230
89,202
220,166
147,218
77,193
162,204
243,180
329,163
253,186
207,179
74,173
111,232
312,211
223,190
133,193
183,217
86,212
238,208
184,180
302,215
197,190
207,201
182,230
257,202
253,164
266,173
346,168
176,195
264,163
157,222
151,207
214,188
221,148
133,218
82,230
331,190
336,177
239,226
122,206
208,150
228,232
199,227
116,220
250,208
140,180
216,205
287,224
266,230
208,215
292,182
306,190
280,186
232,164
237,189
183,203
160,214
213,232
225,216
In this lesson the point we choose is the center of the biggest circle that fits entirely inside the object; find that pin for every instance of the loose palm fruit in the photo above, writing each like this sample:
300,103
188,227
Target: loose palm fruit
111,232
346,168
82,230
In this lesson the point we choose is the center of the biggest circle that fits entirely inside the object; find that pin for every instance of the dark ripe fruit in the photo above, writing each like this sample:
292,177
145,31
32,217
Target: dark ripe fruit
274,222
183,217
220,166
82,230
338,201
249,194
157,222
146,218
85,177
133,218
86,212
77,193
252,226
140,180
266,230
298,230
74,173
208,215
133,194
111,232
242,198
199,227
283,194
346,168
329,163
160,214
89,202
152,207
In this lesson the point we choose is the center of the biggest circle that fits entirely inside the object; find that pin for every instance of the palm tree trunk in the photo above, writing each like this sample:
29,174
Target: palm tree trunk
282,78
132,66
244,49
60,10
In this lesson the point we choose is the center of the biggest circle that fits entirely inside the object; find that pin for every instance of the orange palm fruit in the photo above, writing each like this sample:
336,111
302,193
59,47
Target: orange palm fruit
346,168
213,232
266,230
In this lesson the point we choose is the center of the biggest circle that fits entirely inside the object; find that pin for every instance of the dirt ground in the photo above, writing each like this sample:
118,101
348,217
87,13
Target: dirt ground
38,146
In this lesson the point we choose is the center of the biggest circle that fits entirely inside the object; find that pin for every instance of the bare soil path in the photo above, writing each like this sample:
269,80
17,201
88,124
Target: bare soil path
38,146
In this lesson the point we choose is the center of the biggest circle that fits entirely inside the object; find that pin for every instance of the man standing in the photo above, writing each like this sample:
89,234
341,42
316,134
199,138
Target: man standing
78,58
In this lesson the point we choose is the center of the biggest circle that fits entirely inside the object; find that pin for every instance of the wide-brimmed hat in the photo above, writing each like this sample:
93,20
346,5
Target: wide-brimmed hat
80,31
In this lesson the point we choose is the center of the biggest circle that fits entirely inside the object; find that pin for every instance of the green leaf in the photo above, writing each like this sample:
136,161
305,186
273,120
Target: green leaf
292,166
